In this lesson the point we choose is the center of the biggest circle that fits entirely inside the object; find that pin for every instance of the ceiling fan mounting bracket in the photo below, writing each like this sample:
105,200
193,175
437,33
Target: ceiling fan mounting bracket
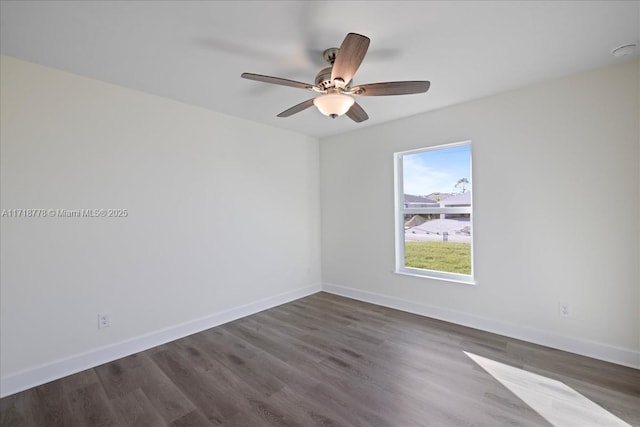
330,54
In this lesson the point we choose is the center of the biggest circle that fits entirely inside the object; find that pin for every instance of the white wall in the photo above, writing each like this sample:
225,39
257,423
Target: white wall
222,212
556,213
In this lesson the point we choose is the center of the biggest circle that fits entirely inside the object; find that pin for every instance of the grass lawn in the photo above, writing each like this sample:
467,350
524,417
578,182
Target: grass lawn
452,257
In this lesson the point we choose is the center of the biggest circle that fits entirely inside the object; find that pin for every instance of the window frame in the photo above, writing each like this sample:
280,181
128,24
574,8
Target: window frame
401,211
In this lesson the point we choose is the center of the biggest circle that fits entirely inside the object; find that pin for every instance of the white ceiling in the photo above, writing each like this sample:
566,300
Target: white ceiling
194,52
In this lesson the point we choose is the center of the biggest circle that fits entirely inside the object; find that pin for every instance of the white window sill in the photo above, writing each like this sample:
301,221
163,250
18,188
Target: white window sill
426,274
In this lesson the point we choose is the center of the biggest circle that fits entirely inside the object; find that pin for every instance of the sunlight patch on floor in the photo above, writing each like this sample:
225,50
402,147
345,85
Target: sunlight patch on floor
553,400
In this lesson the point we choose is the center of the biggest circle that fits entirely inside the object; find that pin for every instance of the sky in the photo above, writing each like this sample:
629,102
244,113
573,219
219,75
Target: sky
436,171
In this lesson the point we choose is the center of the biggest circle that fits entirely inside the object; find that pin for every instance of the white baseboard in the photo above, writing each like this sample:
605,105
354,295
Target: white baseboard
19,381
605,352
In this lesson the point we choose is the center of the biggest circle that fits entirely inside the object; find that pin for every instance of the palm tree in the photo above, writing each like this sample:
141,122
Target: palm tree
462,182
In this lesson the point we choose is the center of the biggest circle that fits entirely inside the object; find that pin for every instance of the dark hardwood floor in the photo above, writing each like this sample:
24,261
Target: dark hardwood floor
325,360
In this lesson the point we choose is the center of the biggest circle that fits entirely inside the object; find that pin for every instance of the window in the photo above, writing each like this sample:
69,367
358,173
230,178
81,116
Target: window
433,212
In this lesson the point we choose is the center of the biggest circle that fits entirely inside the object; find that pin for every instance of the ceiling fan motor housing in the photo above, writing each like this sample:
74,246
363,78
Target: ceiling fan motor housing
323,79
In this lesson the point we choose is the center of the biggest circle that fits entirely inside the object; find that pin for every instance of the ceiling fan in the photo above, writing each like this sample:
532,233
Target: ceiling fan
334,83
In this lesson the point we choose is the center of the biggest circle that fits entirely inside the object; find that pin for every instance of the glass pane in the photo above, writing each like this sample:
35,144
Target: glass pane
440,244
438,178
434,175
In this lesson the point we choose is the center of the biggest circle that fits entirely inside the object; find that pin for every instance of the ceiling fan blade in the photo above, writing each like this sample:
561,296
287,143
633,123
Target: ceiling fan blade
276,80
356,113
391,88
297,108
352,52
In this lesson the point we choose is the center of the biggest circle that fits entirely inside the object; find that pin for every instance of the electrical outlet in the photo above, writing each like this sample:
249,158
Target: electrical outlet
564,310
104,320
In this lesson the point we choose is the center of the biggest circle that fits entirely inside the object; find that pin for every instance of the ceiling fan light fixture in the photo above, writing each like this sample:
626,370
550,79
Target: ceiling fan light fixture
333,104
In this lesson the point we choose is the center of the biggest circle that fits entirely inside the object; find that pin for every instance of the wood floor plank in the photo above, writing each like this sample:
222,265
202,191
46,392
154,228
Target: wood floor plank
79,380
192,419
91,407
16,410
243,367
50,405
212,402
134,409
326,360
125,375
307,412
